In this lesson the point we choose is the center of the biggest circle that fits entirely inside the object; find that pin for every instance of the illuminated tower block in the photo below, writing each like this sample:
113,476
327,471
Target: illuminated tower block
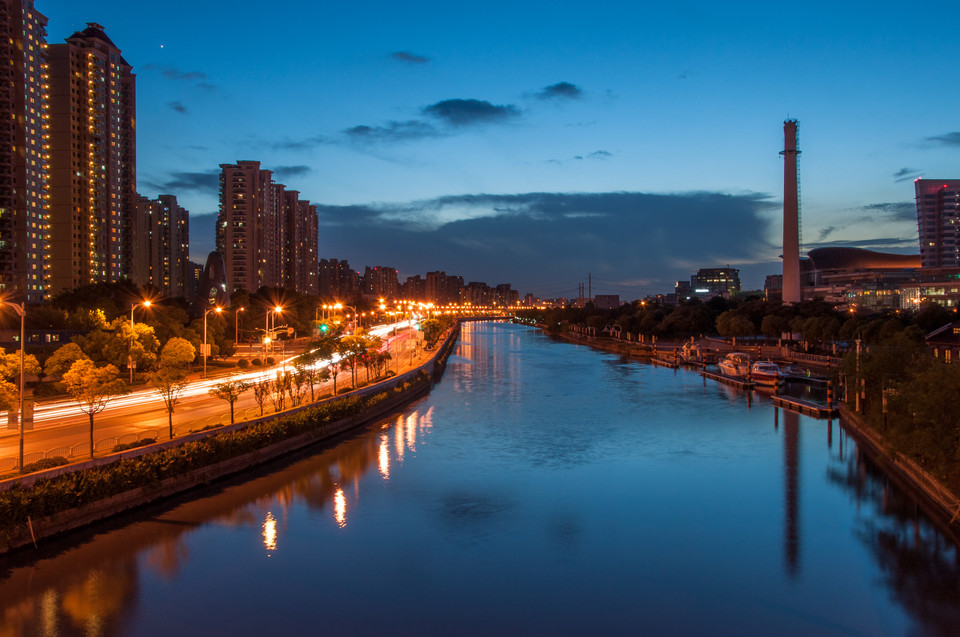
24,151
93,161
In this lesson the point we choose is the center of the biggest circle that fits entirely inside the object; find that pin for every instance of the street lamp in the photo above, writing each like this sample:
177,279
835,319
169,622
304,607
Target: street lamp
236,325
21,310
213,309
133,337
356,316
268,332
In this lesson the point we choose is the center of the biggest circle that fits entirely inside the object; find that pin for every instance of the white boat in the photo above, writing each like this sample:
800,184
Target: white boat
735,365
765,373
793,371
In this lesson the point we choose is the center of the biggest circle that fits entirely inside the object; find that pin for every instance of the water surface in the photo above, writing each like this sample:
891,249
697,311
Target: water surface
542,488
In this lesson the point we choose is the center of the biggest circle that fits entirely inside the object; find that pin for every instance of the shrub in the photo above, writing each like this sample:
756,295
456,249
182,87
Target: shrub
48,496
256,362
45,463
133,445
243,363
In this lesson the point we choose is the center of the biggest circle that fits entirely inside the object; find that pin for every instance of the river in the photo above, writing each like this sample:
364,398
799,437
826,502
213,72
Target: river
542,488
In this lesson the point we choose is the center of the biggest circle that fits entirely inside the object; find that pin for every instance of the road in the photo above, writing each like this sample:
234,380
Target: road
61,424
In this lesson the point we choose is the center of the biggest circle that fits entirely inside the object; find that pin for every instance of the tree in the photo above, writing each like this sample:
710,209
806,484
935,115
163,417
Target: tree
178,352
297,386
93,387
730,323
773,325
10,376
431,329
229,391
62,359
261,390
350,349
334,367
171,377
280,386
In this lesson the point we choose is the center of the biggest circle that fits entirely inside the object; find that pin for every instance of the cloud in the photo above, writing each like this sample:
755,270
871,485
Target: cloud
459,112
532,238
285,172
177,106
188,182
391,132
560,90
906,174
947,139
897,245
409,58
826,232
894,211
297,144
198,78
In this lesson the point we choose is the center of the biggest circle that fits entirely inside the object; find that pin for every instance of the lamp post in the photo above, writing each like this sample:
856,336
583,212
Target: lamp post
21,310
133,337
236,325
213,309
356,316
268,331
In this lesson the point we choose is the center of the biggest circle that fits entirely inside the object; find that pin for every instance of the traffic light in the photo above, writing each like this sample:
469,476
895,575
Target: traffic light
324,327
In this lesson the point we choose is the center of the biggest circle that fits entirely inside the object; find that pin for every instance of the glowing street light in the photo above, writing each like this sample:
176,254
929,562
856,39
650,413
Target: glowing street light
218,310
356,315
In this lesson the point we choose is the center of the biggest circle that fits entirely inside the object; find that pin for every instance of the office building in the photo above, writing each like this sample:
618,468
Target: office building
938,222
93,198
24,151
709,282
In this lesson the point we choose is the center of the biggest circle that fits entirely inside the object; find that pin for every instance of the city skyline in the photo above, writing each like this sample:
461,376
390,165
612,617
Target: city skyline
536,146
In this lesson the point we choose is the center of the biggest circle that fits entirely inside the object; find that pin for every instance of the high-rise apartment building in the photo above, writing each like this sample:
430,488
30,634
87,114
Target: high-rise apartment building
93,198
24,150
938,222
381,282
300,244
266,233
164,247
248,226
337,280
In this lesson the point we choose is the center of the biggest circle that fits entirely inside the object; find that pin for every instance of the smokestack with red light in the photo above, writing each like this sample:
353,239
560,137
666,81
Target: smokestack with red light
791,215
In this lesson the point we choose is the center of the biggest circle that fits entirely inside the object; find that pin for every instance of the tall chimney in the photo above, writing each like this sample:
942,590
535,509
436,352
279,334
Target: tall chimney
791,215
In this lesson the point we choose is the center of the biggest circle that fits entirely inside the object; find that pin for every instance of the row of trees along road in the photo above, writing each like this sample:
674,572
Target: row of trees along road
161,340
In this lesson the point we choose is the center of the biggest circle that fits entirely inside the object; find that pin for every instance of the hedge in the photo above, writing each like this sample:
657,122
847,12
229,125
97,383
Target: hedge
48,496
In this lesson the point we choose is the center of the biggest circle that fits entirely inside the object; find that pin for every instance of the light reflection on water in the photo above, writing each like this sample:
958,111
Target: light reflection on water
542,488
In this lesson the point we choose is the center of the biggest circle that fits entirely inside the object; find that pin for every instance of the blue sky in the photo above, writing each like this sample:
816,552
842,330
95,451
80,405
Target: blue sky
534,143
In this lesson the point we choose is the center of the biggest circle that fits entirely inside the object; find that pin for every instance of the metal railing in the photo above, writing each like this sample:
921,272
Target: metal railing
80,449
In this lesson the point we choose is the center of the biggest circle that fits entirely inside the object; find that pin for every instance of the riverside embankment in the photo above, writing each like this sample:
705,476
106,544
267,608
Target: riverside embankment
937,501
25,519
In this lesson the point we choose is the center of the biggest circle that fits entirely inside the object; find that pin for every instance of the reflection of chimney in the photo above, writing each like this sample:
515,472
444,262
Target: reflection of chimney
791,490
791,214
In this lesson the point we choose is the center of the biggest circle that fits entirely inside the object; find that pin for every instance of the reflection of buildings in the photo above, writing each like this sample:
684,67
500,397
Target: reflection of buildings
92,588
791,491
